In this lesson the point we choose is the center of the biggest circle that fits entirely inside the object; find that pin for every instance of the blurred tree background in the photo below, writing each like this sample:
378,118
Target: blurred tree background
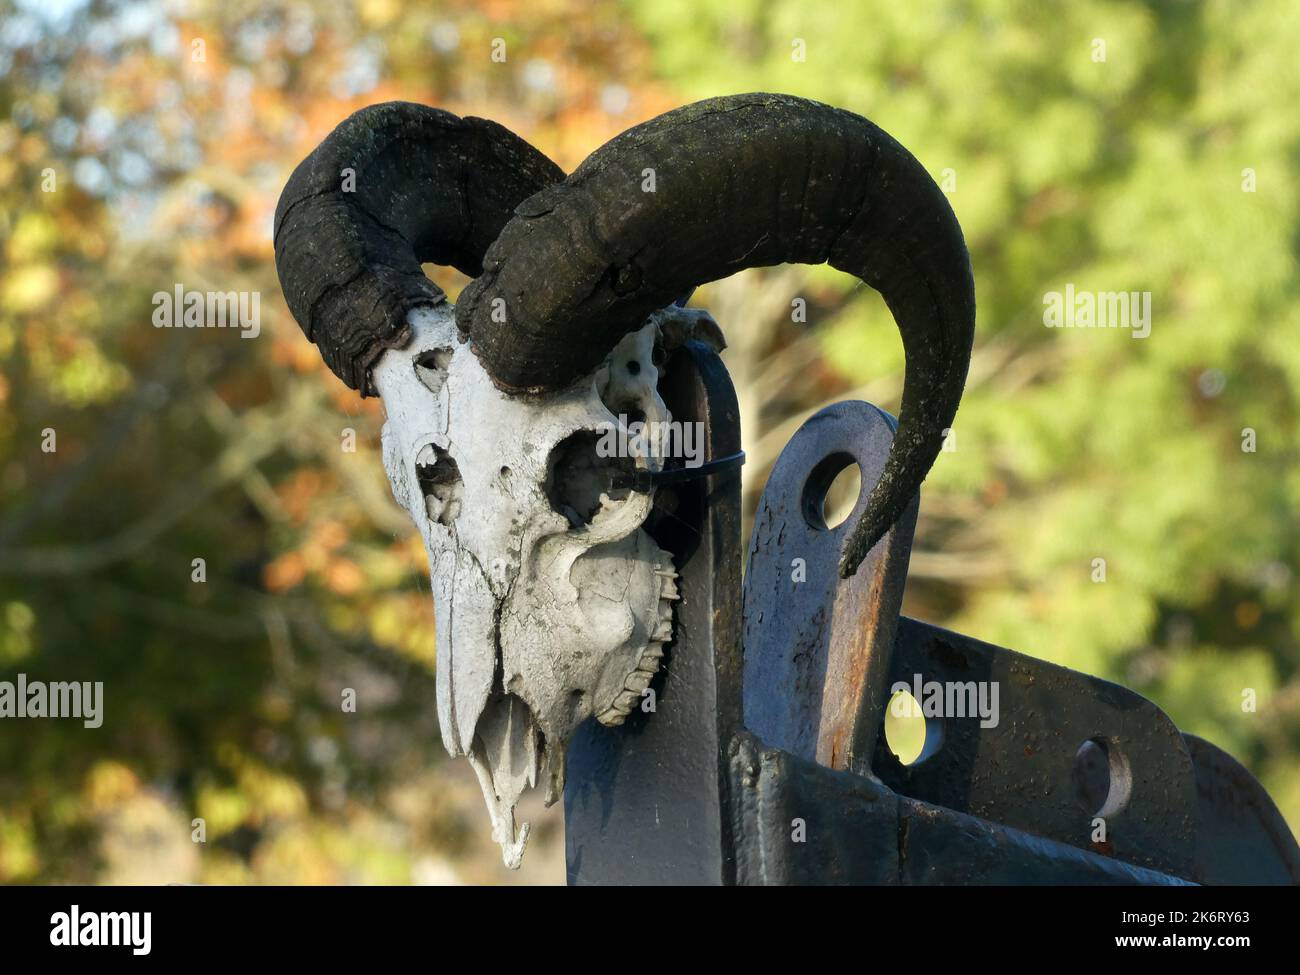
169,129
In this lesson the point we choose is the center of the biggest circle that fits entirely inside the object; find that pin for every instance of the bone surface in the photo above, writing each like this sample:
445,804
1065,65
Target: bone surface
551,602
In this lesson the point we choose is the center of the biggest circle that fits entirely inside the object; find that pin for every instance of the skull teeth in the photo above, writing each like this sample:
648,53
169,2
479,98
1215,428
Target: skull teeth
647,665
634,685
638,681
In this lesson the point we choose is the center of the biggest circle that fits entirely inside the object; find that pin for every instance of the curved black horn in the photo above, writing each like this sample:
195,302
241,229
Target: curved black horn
393,186
702,192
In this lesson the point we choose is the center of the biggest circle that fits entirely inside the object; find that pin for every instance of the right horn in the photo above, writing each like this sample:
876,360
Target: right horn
702,192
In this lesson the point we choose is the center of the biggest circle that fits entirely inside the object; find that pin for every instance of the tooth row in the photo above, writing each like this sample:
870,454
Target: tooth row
648,664
668,590
634,685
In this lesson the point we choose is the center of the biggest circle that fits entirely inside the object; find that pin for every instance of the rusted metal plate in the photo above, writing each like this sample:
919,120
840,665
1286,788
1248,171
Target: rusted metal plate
817,647
645,803
799,823
1022,771
940,846
796,822
1242,838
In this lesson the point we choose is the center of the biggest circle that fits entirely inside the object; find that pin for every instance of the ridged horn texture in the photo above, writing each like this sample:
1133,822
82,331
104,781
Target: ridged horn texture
741,181
427,187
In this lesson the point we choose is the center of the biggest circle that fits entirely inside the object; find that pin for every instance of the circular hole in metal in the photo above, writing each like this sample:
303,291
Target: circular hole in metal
832,491
910,735
1102,778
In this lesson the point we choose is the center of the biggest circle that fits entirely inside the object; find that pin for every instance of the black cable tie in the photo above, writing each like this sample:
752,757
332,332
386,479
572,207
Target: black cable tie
645,481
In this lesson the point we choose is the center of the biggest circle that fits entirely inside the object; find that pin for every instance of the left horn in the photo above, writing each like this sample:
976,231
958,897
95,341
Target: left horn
742,181
425,187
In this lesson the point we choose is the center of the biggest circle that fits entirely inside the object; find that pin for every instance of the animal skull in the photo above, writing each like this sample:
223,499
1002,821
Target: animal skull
551,598
552,603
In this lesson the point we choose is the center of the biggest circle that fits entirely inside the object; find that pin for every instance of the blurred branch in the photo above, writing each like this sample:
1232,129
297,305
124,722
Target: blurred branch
368,487
192,619
955,566
232,464
255,485
65,483
993,359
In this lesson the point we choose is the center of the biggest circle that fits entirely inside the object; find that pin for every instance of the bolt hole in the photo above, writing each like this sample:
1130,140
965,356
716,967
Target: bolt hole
832,491
910,735
1102,778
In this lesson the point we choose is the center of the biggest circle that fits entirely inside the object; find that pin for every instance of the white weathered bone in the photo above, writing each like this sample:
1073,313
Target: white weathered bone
552,603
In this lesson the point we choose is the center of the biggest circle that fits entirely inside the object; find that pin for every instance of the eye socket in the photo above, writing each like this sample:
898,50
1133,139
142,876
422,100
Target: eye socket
634,368
577,475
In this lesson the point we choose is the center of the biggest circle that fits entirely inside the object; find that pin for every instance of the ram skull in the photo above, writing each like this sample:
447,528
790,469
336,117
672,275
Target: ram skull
552,602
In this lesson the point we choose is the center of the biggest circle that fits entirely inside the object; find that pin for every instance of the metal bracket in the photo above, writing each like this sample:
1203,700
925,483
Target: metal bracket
645,803
803,789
